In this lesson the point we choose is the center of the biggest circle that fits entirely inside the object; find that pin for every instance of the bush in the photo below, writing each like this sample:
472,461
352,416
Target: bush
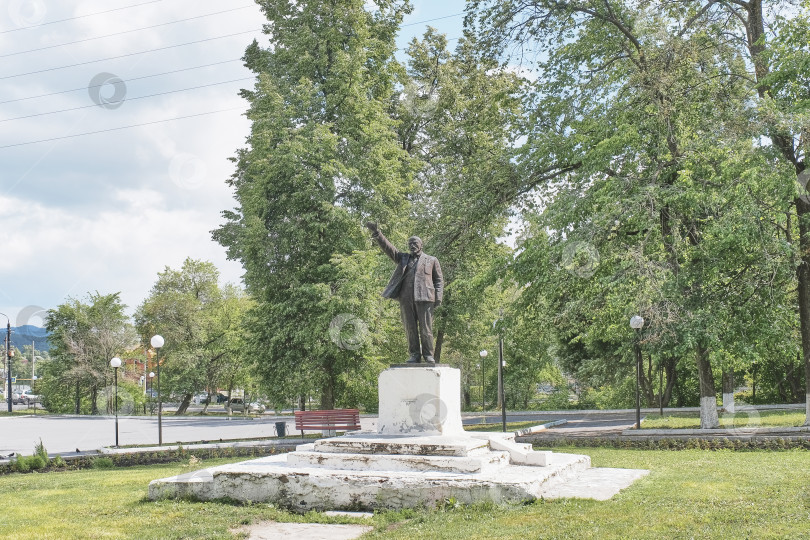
102,463
558,400
672,444
39,450
25,464
619,396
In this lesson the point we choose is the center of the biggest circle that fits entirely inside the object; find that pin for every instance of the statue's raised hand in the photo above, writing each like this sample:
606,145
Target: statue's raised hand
372,226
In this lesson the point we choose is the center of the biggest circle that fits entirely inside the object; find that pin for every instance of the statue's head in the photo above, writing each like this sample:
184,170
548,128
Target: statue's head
415,245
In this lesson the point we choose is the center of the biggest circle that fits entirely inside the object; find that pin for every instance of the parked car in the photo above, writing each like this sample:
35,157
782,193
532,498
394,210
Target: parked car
200,398
28,398
16,398
237,404
256,407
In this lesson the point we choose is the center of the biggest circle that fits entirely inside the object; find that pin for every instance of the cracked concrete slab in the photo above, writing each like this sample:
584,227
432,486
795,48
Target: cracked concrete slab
600,483
273,530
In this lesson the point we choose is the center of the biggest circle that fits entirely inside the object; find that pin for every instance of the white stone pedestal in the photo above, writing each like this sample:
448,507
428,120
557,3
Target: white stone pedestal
417,399
420,456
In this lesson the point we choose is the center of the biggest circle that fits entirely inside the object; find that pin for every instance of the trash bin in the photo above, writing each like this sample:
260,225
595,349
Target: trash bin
281,429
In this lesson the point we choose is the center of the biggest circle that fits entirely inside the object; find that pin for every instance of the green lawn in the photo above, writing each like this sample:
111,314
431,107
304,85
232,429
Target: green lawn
743,419
689,494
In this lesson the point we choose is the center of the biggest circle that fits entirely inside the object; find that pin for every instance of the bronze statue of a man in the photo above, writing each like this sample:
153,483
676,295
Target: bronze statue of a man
417,283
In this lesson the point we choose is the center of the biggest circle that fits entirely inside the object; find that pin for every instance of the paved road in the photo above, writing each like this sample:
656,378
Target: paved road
66,434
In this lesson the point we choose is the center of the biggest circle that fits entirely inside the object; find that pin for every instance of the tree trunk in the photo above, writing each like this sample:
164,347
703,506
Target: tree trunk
183,405
754,384
728,390
437,350
78,398
795,380
803,274
708,396
302,403
93,398
328,393
670,375
784,142
648,383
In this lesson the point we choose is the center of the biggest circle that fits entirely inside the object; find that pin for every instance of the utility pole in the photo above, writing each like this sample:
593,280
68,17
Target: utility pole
8,361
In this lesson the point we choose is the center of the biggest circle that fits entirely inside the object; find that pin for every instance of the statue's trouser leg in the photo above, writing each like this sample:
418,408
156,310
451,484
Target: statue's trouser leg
424,312
408,312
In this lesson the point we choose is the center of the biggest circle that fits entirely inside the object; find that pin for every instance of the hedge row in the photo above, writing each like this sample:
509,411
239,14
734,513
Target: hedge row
675,444
36,464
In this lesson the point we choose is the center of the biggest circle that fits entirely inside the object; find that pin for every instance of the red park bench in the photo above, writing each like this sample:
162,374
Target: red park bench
330,420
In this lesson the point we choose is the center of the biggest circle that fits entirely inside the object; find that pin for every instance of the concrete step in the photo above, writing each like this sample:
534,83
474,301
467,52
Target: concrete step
368,443
300,487
481,462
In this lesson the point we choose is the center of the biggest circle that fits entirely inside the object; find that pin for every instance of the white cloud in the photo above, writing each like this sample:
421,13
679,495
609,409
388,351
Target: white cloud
106,212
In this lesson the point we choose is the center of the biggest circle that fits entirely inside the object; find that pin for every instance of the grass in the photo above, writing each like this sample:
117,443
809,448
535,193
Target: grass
108,503
688,494
742,419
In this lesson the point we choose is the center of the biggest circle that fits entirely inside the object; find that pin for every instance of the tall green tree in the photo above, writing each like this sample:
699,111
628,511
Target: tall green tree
775,42
84,336
202,323
649,140
321,158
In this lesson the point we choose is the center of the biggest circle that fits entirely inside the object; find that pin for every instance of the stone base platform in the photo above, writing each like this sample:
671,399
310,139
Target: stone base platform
420,455
371,471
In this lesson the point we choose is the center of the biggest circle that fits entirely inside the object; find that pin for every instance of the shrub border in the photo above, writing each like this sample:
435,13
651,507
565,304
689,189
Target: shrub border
134,459
672,443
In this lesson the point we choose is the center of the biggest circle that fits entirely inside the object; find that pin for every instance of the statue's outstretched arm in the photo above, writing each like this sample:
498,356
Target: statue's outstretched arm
392,252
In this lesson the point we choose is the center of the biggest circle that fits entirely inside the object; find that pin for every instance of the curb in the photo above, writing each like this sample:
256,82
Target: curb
740,432
538,429
110,451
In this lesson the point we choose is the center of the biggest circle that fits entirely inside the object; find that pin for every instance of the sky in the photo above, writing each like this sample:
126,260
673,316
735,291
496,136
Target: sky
117,122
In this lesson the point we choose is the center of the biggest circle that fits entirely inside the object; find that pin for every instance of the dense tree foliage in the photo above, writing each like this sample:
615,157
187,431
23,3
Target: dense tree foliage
322,157
665,202
84,336
202,324
571,163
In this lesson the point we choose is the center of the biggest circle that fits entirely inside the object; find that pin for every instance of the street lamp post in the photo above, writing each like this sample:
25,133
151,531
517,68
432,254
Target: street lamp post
501,365
483,355
33,382
501,396
157,343
637,323
151,385
116,363
8,358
